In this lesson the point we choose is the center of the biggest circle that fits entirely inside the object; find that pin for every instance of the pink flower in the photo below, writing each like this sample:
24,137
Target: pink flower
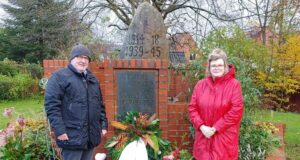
176,153
8,112
10,130
3,137
21,121
170,157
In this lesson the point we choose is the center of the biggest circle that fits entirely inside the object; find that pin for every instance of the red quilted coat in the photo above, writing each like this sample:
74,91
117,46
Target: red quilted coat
217,104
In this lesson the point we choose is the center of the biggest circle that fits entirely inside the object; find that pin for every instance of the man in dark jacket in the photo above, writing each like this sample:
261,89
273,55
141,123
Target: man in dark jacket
74,106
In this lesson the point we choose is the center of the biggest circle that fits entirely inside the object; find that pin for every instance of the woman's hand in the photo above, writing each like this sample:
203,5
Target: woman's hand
207,131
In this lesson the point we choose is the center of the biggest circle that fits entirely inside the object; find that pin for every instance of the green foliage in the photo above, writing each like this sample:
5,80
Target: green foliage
18,80
29,107
278,89
185,155
35,70
164,147
236,44
11,68
22,87
281,78
251,91
6,84
26,141
292,130
18,86
35,30
255,141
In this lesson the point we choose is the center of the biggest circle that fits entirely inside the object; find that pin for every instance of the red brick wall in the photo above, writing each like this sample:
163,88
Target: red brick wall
178,86
173,116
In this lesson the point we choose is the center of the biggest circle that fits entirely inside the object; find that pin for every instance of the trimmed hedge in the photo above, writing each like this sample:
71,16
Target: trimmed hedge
18,80
18,86
6,83
12,68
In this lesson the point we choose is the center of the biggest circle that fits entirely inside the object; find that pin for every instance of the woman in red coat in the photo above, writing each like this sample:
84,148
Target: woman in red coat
216,109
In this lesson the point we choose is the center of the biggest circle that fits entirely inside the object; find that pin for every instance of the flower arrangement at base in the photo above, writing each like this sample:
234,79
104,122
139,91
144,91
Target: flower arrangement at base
134,127
180,152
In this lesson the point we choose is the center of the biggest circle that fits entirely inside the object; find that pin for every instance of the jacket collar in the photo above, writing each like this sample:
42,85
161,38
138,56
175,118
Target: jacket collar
89,76
73,69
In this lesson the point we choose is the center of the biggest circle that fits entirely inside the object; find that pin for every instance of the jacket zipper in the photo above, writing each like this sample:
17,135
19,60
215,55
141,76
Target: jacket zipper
88,108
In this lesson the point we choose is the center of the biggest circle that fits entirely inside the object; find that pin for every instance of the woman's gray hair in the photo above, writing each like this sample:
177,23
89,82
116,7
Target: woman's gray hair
216,54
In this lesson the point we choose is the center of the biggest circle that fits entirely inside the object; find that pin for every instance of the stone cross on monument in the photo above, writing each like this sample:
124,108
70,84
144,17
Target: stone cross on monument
146,36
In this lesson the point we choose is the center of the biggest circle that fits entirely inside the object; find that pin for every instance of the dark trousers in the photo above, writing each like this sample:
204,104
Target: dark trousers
69,154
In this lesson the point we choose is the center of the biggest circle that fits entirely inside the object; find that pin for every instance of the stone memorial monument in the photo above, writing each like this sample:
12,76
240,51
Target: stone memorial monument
145,39
146,36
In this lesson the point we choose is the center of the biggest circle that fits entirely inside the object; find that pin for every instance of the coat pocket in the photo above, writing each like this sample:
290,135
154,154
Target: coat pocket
74,133
75,111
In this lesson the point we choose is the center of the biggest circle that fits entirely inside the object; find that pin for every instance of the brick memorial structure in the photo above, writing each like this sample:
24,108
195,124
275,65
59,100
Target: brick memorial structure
172,116
140,80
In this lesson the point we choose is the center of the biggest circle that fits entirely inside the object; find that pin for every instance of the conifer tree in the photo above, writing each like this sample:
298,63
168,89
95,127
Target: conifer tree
39,29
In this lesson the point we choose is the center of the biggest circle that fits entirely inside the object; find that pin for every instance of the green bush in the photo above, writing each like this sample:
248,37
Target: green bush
35,70
12,68
18,80
9,68
23,85
6,83
255,141
26,139
18,86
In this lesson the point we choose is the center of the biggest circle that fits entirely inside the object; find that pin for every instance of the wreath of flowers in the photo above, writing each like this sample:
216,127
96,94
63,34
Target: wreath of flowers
133,127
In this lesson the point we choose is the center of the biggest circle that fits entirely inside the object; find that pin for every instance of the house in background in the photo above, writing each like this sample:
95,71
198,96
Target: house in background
256,33
105,50
183,48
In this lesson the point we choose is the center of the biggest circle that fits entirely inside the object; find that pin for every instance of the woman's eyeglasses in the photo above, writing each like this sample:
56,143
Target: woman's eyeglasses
217,66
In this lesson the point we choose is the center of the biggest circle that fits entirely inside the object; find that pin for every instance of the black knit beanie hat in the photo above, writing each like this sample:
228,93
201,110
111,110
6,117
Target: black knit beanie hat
79,50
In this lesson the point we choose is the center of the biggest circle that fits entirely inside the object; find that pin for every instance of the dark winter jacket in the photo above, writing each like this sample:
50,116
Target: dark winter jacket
73,104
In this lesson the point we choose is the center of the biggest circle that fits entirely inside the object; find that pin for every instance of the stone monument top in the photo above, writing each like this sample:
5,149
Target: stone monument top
146,35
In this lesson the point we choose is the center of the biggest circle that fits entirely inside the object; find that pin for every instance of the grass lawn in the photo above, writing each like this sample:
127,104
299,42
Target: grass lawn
292,134
29,107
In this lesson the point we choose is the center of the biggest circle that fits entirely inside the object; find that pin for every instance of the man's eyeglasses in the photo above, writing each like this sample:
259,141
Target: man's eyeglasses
83,57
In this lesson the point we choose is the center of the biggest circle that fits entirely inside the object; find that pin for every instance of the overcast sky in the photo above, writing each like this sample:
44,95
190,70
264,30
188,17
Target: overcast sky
2,13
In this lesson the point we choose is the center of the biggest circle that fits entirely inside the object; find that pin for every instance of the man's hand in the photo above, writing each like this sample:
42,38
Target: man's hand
207,131
104,131
63,137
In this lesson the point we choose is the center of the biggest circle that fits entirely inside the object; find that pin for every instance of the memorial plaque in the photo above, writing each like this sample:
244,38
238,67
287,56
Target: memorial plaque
146,35
136,91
